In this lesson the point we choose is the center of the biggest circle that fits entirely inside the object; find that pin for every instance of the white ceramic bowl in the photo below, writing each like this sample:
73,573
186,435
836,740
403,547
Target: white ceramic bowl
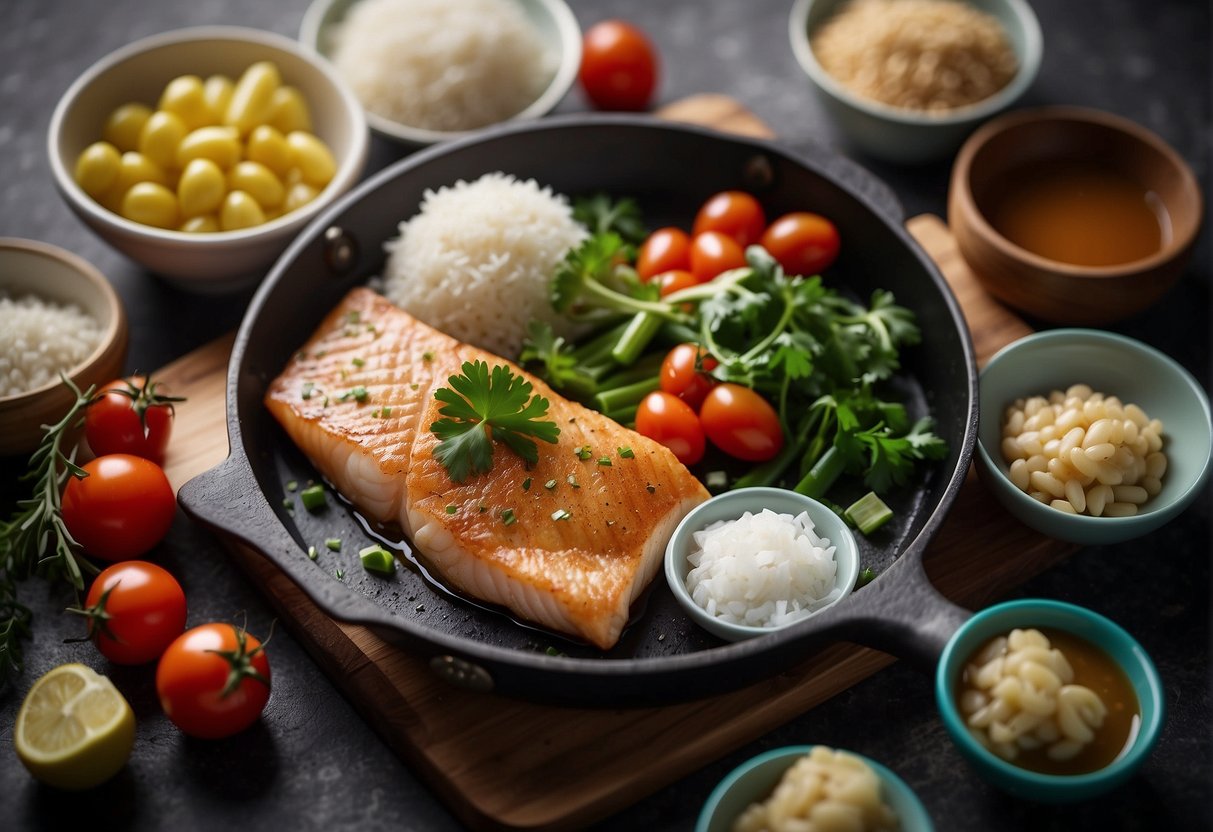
227,260
552,18
907,136
28,267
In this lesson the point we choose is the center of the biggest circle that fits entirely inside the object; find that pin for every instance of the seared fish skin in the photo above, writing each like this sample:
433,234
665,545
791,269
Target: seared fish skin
358,400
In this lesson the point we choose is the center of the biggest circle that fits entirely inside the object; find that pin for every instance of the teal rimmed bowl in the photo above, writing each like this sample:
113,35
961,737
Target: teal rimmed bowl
730,506
1091,627
1114,365
753,781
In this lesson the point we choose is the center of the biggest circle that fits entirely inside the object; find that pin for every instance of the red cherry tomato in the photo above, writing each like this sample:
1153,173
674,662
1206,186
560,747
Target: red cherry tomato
734,213
213,681
130,416
672,281
135,609
671,421
664,250
741,423
803,243
122,508
618,66
713,252
684,373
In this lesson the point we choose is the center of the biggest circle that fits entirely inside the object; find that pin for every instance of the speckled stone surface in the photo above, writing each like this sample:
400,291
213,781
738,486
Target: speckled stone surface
312,763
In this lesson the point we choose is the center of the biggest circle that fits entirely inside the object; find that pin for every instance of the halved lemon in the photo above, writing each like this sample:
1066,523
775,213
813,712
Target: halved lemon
74,729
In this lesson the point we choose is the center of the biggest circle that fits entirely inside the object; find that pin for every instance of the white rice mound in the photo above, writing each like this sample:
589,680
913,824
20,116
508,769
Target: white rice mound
762,570
823,791
476,262
39,339
442,64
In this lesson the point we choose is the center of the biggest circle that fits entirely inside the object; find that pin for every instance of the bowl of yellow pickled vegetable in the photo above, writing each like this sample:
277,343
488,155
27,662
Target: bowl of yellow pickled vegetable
202,152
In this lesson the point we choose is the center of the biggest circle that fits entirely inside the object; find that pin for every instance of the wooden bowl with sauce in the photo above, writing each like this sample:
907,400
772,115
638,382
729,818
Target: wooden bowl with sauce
1073,215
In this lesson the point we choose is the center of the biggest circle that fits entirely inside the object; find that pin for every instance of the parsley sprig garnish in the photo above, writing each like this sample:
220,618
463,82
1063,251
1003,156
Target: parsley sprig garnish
481,406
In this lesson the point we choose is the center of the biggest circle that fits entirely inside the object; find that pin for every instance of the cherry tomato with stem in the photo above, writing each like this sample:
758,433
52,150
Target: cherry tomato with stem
618,66
213,680
121,508
664,250
685,373
135,610
741,423
713,252
735,213
675,280
130,416
802,242
669,420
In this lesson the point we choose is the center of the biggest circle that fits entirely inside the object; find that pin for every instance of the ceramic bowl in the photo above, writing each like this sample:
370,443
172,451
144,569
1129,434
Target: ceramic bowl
905,136
227,260
730,506
1092,628
28,267
755,779
1114,365
1046,288
553,20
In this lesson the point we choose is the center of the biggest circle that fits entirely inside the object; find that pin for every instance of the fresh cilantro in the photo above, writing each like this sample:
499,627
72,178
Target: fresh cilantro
559,365
600,214
481,406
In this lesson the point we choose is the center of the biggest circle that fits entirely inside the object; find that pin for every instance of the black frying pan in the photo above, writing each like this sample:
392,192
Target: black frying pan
662,656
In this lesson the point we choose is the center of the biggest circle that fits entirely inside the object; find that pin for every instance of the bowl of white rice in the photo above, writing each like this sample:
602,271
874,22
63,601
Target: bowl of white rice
906,81
431,70
58,315
754,560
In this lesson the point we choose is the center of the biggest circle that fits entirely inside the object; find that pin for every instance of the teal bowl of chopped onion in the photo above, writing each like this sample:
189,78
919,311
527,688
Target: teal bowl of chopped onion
751,561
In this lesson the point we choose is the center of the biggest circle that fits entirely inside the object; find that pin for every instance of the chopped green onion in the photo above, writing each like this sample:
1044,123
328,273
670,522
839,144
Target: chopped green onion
583,452
333,544
340,574
452,509
550,485
526,484
358,362
358,394
321,353
626,453
427,356
386,411
287,504
552,651
308,387
292,485
865,577
312,554
868,513
483,508
560,514
604,460
414,386
716,480
508,517
573,481
352,317
313,497
377,559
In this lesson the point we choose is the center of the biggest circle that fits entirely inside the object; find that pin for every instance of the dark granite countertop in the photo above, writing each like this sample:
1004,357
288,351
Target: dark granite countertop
311,762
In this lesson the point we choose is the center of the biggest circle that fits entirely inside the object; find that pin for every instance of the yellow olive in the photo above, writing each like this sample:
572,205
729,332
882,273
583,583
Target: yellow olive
219,144
97,168
297,196
217,90
268,146
133,168
239,211
313,158
251,97
184,97
289,111
161,136
201,188
205,224
124,125
151,204
258,181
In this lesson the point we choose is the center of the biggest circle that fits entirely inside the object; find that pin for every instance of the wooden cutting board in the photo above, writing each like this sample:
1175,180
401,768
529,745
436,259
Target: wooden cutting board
501,763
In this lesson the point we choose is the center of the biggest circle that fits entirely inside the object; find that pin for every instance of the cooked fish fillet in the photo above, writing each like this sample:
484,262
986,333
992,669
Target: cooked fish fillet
577,575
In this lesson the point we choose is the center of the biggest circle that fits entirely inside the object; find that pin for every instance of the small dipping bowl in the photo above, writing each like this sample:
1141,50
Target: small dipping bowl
1115,366
1087,625
905,136
553,19
28,267
730,506
226,261
755,779
1046,288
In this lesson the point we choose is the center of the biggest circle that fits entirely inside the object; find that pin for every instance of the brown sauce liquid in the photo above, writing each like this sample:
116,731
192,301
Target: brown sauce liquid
1093,668
1078,212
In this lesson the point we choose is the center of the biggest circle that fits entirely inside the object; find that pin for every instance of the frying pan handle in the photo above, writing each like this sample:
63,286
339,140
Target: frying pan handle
862,181
904,616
